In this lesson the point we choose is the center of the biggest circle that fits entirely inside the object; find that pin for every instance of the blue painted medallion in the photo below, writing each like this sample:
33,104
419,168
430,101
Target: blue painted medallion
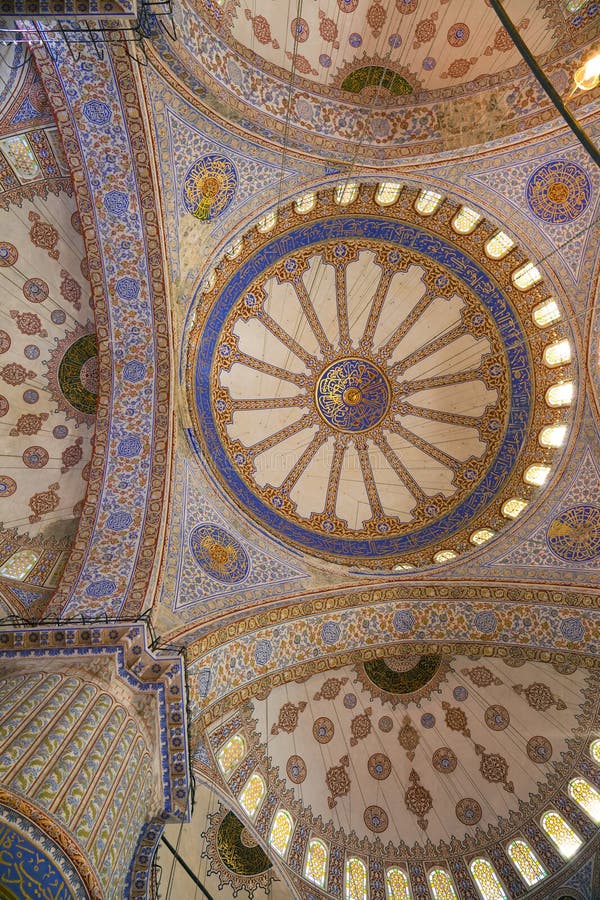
209,186
574,535
352,395
558,192
219,554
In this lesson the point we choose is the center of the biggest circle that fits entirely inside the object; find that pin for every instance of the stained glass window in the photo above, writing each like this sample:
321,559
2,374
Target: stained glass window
465,220
20,564
586,796
575,5
356,879
305,203
499,245
444,556
345,194
281,831
231,754
557,354
396,885
513,507
595,750
553,435
253,793
525,277
560,394
481,536
546,313
488,883
267,223
526,862
315,867
536,475
441,885
427,202
561,834
387,193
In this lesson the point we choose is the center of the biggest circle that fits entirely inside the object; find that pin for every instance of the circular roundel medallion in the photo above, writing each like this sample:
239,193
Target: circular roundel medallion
539,749
4,341
296,769
8,254
219,554
209,186
73,375
444,760
313,399
352,395
376,819
386,724
7,486
35,457
497,717
558,192
35,290
323,730
468,811
77,385
574,535
379,766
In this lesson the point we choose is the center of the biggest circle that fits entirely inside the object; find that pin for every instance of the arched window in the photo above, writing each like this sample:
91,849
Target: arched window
443,556
465,220
546,313
235,248
427,202
396,885
387,193
526,862
305,203
231,754
595,751
253,793
499,245
315,867
557,354
536,475
441,885
281,831
481,536
582,792
346,193
561,834
267,222
488,883
20,564
553,435
356,879
525,277
513,507
560,394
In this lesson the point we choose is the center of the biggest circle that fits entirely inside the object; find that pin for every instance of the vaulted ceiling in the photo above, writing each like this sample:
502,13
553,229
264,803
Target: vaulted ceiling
343,344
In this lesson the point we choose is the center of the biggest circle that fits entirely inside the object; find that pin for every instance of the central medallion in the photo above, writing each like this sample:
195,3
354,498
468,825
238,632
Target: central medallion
352,395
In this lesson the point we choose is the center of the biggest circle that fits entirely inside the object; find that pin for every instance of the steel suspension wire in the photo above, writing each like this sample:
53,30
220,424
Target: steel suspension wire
581,135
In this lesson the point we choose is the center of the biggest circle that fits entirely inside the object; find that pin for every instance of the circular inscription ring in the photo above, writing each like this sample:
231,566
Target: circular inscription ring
352,395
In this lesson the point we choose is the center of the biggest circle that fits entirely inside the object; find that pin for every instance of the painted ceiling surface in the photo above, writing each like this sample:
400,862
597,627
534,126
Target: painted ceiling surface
453,750
48,353
447,70
356,383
